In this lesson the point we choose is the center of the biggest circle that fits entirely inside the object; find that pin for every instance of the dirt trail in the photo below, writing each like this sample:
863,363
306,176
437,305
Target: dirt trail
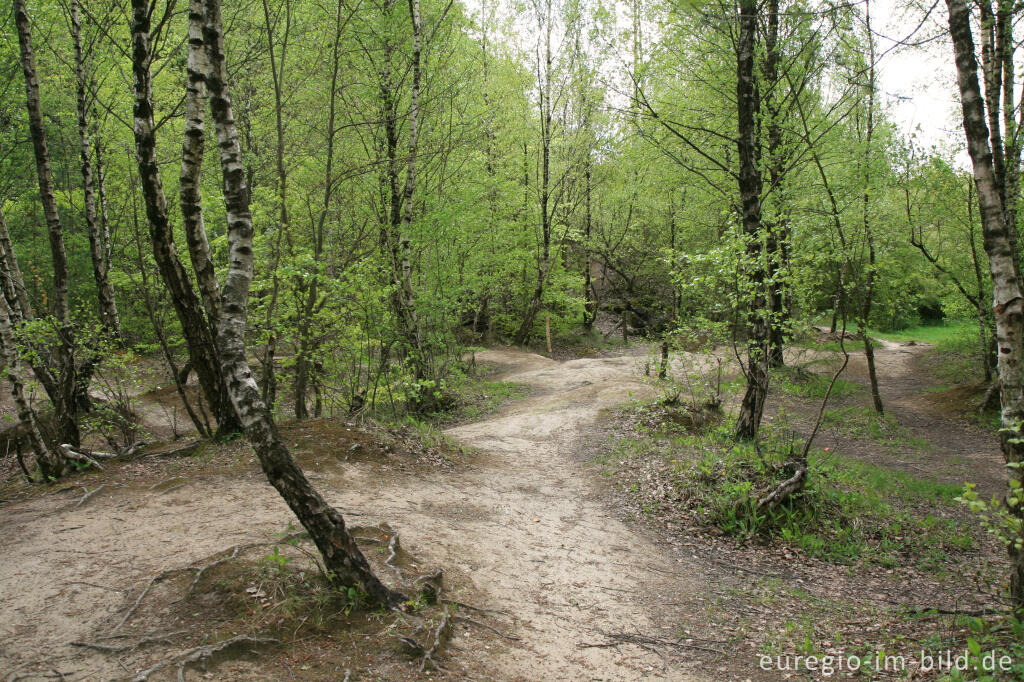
587,573
958,450
524,529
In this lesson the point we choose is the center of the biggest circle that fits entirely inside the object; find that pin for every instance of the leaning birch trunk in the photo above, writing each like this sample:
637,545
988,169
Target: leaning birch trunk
66,396
194,325
190,195
752,408
1007,292
50,465
342,557
97,247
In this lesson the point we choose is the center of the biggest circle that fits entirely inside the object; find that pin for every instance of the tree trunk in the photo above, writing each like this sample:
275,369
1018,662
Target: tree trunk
1008,294
396,234
544,264
13,282
777,230
589,304
752,407
67,396
869,285
193,147
269,380
342,557
97,245
194,325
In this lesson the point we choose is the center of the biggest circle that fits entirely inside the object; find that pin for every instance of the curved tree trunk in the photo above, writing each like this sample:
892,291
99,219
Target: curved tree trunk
195,327
67,398
342,557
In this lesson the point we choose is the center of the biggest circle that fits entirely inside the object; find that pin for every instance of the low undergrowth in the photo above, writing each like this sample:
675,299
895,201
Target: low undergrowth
477,397
849,511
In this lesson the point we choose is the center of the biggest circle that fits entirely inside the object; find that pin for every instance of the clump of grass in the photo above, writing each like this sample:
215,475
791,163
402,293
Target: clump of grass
950,334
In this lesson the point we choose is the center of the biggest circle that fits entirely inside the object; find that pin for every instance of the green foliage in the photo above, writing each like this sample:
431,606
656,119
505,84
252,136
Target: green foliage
1000,517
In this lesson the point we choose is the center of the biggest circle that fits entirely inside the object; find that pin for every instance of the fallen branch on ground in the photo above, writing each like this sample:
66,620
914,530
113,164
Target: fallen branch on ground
787,488
641,640
180,451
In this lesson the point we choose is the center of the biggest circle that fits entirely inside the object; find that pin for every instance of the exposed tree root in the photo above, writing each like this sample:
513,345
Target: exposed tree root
89,495
71,453
499,633
441,635
393,549
199,573
132,646
478,609
200,654
199,570
787,488
162,575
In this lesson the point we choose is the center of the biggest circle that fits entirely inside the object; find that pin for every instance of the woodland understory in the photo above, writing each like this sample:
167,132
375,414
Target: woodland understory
464,339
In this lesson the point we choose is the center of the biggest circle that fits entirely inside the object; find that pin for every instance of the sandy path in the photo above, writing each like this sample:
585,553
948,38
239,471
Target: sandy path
588,573
524,528
958,450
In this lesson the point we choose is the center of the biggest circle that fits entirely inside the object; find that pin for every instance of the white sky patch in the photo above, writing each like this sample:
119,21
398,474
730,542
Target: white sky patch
919,82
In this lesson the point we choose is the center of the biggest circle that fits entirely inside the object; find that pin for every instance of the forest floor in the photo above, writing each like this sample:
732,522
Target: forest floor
559,572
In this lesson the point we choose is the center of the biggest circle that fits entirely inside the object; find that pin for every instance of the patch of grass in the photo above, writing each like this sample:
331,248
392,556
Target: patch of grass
801,383
864,422
849,512
985,641
951,333
431,439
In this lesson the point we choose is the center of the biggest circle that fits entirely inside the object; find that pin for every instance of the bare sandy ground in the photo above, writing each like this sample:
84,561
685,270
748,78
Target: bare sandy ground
523,529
